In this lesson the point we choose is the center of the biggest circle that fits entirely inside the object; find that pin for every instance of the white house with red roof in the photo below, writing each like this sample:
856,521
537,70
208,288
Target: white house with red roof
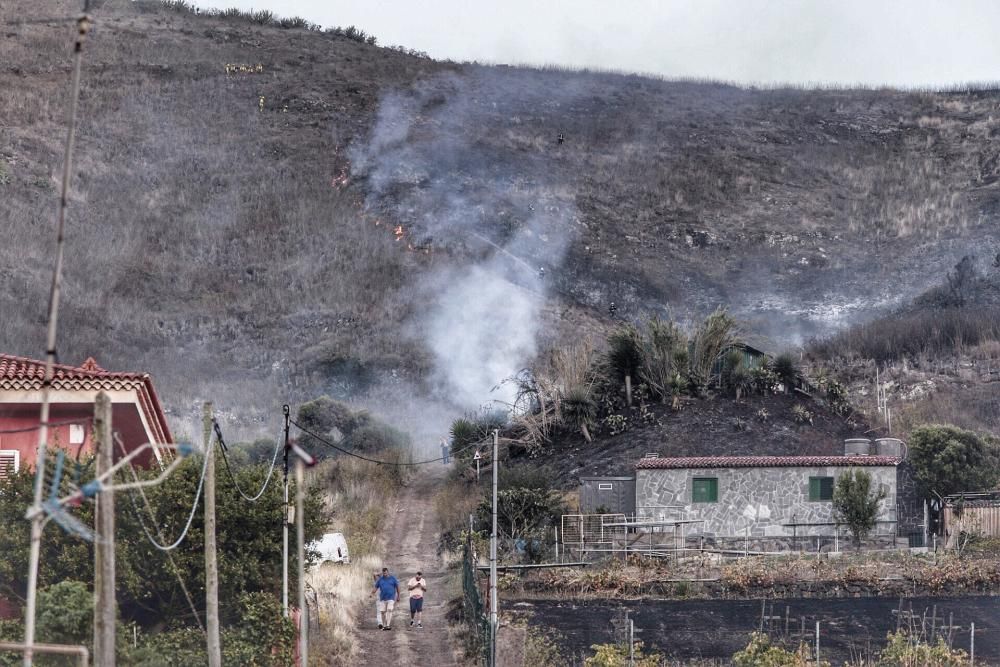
136,412
764,501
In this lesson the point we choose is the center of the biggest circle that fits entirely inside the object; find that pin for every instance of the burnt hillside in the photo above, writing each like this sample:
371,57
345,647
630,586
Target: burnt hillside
266,213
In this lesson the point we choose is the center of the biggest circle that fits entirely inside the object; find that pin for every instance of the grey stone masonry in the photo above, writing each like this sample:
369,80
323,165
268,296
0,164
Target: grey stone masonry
753,501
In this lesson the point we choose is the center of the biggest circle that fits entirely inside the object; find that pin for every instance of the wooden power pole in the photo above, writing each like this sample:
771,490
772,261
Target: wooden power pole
105,607
211,561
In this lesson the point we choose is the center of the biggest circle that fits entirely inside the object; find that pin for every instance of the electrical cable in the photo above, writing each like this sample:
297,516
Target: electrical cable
27,429
232,478
187,526
371,460
159,533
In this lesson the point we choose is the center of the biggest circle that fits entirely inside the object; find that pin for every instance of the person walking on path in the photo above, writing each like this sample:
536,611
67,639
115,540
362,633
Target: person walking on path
417,586
387,587
445,451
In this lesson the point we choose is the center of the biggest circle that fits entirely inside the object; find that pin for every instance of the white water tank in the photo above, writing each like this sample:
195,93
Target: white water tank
857,447
890,447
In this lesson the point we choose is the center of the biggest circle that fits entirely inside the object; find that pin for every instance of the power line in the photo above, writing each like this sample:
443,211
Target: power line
379,462
159,533
27,429
187,526
229,470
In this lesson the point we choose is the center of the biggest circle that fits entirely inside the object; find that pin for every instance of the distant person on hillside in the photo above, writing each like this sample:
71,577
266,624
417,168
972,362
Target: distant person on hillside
387,587
445,451
417,586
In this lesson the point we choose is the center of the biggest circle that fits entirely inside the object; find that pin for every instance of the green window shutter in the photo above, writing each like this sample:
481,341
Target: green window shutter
820,488
705,490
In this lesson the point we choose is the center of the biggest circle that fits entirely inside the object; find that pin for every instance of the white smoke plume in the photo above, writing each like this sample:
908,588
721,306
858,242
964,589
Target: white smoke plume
438,161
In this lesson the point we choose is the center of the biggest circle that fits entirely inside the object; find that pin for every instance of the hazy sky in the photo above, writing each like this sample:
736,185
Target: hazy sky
912,43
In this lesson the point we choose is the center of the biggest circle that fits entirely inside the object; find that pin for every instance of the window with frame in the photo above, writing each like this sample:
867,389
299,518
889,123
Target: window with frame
820,488
705,490
10,462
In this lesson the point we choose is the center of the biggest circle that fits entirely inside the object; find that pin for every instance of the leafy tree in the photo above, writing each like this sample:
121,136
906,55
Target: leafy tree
855,504
65,613
947,459
248,536
521,512
760,653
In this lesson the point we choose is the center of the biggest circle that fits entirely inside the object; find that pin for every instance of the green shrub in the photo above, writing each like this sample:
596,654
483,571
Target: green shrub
905,651
615,655
262,17
65,613
375,437
760,653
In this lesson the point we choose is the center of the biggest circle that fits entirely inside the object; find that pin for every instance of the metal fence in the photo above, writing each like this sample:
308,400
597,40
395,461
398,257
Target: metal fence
473,606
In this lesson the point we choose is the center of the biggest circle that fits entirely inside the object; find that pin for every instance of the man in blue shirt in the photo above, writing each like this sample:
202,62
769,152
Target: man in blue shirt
387,588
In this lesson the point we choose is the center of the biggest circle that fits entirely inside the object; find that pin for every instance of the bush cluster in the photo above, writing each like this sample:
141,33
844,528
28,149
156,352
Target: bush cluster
269,18
656,361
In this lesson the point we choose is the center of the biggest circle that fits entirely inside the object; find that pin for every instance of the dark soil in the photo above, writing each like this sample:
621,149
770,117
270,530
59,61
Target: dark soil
713,426
849,628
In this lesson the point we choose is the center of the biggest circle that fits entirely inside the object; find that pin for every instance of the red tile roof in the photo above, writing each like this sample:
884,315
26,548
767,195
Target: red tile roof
765,462
23,373
20,373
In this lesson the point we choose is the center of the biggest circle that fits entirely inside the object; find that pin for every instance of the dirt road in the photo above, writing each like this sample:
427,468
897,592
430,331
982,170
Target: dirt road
411,545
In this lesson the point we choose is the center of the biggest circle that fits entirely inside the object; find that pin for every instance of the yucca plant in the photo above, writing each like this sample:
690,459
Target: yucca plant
580,409
663,349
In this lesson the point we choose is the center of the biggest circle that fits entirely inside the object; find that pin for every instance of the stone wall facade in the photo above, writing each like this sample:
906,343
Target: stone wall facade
753,502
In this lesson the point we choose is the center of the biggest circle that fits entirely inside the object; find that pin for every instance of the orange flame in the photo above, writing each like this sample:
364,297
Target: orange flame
399,232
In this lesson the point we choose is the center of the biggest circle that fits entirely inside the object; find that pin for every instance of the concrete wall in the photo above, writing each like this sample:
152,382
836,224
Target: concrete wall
761,499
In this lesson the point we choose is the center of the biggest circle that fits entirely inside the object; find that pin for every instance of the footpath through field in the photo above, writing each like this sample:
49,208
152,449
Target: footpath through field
412,544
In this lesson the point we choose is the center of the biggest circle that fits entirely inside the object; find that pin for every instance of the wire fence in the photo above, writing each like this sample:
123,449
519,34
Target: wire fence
473,606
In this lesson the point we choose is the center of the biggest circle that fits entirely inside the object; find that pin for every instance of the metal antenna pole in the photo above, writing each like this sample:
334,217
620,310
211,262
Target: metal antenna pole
284,527
493,555
83,26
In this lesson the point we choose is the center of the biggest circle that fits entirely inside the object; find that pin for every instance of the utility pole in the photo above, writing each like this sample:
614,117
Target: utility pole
300,534
284,527
493,555
302,459
211,561
104,543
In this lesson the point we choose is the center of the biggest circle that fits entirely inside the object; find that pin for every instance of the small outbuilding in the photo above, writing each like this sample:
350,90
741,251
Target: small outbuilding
607,495
773,502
